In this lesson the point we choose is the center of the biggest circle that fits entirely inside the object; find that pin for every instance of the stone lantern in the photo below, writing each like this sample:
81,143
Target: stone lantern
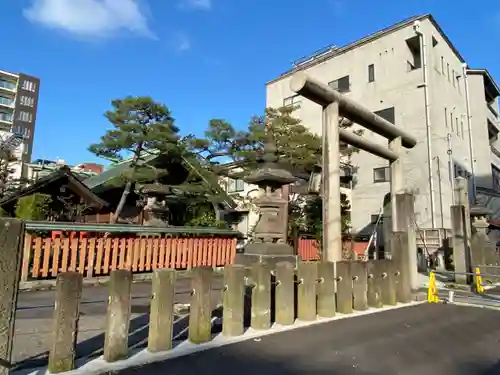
155,196
482,251
269,243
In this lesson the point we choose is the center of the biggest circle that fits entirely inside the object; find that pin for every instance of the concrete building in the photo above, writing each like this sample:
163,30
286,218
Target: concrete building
18,107
412,75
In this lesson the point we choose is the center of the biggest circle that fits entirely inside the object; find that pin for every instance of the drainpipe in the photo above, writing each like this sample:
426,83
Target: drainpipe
450,167
423,51
440,188
469,125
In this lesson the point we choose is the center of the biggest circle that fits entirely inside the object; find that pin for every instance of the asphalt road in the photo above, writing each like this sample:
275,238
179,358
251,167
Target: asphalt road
40,304
430,339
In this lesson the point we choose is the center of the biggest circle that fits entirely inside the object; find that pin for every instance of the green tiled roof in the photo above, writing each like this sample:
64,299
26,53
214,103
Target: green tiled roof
114,171
118,168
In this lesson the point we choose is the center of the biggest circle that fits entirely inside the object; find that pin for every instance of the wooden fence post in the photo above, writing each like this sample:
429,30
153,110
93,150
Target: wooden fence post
162,310
285,293
118,316
200,314
65,323
11,240
233,300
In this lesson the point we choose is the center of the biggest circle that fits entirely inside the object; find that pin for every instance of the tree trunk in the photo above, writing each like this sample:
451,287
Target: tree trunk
121,204
128,186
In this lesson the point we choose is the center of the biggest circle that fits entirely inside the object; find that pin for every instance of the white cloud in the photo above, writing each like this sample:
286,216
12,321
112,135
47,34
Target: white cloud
182,43
90,17
196,4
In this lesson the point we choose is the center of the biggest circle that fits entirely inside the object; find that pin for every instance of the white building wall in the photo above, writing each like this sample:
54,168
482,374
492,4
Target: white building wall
397,86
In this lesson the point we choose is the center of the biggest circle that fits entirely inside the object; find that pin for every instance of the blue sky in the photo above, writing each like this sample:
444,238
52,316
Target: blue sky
202,58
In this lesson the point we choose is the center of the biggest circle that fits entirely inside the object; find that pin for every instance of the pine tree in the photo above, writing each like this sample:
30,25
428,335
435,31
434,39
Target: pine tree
225,149
141,127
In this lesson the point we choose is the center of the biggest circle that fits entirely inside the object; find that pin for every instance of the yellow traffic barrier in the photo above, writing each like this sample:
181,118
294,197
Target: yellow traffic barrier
479,281
432,294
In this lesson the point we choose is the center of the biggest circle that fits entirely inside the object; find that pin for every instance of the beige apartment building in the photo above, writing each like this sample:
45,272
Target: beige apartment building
412,75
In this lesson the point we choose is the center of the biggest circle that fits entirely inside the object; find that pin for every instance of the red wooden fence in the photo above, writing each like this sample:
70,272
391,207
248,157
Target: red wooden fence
46,257
309,249
94,255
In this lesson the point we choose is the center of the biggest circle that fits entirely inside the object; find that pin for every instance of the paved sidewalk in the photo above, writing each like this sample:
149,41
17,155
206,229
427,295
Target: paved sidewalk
426,339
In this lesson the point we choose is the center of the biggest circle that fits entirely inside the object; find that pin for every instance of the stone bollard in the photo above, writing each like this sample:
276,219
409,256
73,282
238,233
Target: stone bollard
118,316
233,300
344,287
200,315
65,323
261,296
401,264
359,281
162,310
459,243
285,293
11,239
374,270
326,290
387,283
307,275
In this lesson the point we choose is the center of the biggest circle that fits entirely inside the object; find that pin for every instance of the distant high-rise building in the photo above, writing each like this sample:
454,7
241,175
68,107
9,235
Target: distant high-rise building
18,107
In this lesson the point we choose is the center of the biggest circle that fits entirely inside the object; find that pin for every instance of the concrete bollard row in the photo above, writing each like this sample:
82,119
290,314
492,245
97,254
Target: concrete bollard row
314,289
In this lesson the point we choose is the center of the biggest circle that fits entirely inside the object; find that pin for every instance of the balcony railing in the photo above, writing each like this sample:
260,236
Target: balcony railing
493,111
5,117
7,85
495,157
6,102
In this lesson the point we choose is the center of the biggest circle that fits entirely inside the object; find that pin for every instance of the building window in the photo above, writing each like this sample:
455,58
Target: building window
442,65
341,85
495,173
382,174
293,100
451,122
235,185
456,125
415,61
29,85
387,114
448,71
462,126
27,101
446,117
371,73
25,116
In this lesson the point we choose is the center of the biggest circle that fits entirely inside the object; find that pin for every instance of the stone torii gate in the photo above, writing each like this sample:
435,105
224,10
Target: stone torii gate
334,104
